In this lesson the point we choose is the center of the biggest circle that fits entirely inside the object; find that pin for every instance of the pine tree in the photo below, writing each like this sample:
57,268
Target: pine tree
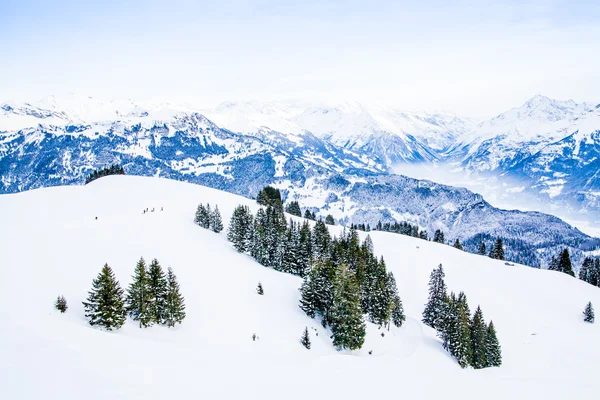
462,348
259,289
240,231
305,340
203,216
481,250
438,236
216,223
586,272
104,305
457,244
138,302
175,302
436,304
321,241
497,251
317,291
158,292
588,313
329,220
348,327
553,266
492,347
478,340
462,299
294,209
61,304
564,263
304,249
398,316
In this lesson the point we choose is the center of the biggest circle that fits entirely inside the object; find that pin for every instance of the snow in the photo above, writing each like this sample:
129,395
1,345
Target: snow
57,247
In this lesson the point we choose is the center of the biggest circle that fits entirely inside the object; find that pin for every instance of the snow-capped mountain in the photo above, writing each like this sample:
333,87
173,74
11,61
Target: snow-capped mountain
57,247
383,132
353,186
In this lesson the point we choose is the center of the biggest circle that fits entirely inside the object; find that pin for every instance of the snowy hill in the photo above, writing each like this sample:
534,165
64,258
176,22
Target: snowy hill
57,247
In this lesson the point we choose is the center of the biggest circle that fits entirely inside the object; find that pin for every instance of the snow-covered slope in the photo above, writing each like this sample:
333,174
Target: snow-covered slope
53,245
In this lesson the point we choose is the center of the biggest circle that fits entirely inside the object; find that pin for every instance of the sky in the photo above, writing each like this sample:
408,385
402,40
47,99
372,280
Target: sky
474,58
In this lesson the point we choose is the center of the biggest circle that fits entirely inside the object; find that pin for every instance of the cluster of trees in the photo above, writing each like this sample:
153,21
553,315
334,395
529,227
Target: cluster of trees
562,263
402,228
469,340
209,219
99,173
152,298
590,271
343,278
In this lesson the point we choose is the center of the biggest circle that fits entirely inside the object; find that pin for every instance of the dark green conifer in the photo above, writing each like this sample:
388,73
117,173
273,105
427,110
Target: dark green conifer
240,231
457,244
588,313
305,340
139,302
216,222
175,302
438,236
492,347
61,304
293,208
157,285
348,326
478,340
481,249
434,310
259,289
564,263
104,305
329,220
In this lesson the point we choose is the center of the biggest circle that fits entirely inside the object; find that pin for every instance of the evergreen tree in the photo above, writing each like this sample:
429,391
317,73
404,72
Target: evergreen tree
329,220
478,340
309,215
457,244
462,347
305,340
564,263
588,313
398,316
304,249
497,251
481,250
348,327
269,196
462,298
240,229
294,209
436,304
61,304
259,289
492,347
157,285
448,325
317,291
174,304
553,266
438,236
321,241
586,272
203,216
216,223
104,305
138,302
291,247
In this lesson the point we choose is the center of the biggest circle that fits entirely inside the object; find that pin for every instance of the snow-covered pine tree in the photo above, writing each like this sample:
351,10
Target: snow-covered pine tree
216,222
200,213
478,340
348,326
380,311
434,310
596,272
497,251
61,304
588,313
304,249
462,348
398,316
305,340
259,289
157,285
321,241
586,272
239,232
175,302
104,304
293,208
259,248
447,327
308,295
291,248
492,347
438,236
138,301
457,244
564,263
329,220
462,298
208,217
481,249
317,291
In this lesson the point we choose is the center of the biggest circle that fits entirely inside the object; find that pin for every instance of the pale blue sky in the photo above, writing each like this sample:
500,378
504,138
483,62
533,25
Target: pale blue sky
471,57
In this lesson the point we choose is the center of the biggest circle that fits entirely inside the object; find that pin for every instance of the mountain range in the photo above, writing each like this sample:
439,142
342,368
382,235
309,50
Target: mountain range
333,160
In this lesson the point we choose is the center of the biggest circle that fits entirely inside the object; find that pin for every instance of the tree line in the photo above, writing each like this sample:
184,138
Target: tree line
114,169
152,298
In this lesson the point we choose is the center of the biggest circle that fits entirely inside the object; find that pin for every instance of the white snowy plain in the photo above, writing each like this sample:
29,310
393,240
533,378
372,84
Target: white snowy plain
52,245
